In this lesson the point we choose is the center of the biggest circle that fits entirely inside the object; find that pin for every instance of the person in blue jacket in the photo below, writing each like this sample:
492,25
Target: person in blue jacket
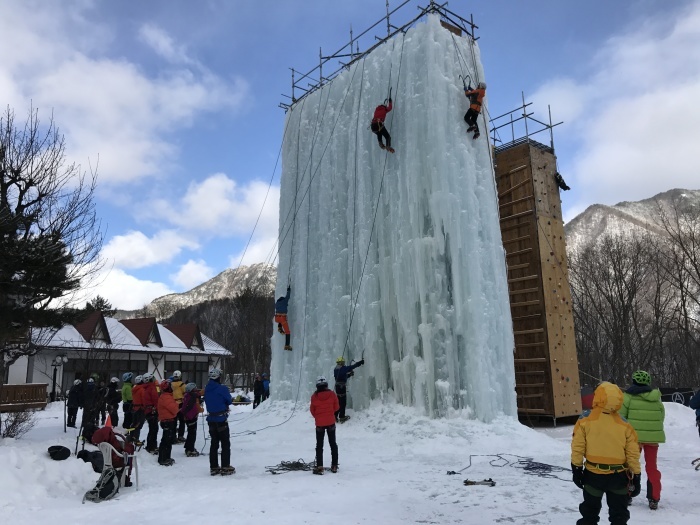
266,386
281,306
217,398
341,374
695,404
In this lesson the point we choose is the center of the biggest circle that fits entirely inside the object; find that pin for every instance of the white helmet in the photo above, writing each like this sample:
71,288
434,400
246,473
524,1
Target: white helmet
77,382
177,375
147,378
138,380
321,381
481,85
214,373
114,380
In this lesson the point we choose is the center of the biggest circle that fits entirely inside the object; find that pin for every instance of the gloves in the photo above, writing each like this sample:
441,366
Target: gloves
362,362
390,101
289,288
637,480
577,475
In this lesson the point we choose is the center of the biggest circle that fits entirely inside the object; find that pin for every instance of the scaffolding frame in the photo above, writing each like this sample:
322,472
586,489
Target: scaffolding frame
520,118
315,79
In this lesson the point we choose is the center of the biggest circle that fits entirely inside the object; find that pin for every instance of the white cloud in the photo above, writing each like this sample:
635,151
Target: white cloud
219,207
125,291
192,273
163,44
636,135
136,250
106,107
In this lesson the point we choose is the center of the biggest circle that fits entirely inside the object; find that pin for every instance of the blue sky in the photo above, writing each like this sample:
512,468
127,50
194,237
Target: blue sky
176,103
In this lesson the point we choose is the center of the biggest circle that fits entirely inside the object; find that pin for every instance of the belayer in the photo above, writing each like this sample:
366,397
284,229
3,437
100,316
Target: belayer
341,372
378,127
281,306
476,97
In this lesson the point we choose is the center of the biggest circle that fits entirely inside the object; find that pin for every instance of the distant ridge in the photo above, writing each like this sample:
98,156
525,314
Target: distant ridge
625,217
229,283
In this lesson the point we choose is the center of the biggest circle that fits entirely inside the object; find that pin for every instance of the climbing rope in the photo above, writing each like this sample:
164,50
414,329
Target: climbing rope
291,466
354,192
526,464
374,219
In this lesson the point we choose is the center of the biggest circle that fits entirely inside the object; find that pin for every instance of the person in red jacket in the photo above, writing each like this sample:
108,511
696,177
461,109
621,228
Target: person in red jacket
150,405
476,97
378,127
167,415
324,404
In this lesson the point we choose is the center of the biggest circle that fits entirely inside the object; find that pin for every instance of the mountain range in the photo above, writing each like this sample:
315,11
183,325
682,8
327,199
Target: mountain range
593,223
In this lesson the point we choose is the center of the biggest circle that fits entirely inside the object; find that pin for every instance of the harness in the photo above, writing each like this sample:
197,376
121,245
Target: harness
609,468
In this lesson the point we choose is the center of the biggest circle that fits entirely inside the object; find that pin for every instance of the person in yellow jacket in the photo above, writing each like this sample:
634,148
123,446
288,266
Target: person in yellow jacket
609,446
178,386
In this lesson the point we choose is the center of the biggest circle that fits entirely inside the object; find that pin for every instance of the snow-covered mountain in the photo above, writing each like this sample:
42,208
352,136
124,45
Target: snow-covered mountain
229,283
625,217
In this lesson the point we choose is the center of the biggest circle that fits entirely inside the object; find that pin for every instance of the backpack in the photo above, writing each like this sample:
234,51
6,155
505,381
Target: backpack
106,487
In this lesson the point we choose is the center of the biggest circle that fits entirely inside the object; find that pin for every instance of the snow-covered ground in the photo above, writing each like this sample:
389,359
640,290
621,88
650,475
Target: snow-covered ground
393,468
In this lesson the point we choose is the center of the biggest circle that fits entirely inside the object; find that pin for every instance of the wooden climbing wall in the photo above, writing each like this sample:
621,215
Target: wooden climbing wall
546,365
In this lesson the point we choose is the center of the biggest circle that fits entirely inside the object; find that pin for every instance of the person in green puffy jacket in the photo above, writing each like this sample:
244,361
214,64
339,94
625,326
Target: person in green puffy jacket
643,409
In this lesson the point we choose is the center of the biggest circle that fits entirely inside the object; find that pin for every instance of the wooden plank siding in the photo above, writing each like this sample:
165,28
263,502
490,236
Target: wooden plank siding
20,397
532,229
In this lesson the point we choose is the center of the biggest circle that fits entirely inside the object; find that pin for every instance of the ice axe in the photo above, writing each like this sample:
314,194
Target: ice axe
464,83
389,98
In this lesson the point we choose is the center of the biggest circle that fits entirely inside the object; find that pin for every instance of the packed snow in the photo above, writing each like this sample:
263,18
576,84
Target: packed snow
393,466
420,292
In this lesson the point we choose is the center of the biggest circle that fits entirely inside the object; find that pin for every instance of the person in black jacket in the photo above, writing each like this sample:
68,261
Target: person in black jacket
75,401
258,390
112,399
102,402
91,403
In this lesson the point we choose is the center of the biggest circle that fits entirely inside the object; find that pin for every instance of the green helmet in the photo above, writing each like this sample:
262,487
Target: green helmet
641,377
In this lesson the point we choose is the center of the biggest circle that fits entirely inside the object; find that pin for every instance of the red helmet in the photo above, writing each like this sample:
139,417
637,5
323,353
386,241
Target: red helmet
165,386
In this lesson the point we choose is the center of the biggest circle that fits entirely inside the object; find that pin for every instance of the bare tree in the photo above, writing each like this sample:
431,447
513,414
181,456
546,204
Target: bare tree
50,237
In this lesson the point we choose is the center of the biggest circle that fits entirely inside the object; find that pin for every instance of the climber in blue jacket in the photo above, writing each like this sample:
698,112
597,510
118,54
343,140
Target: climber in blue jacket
341,373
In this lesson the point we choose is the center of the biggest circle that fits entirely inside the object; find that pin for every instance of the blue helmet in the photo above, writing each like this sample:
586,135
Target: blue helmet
127,377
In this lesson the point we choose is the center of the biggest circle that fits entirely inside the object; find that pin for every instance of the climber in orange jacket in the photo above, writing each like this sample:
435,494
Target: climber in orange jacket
476,97
378,127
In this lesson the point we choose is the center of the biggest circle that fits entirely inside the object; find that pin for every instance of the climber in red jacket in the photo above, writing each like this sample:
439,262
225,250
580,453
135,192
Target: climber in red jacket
378,127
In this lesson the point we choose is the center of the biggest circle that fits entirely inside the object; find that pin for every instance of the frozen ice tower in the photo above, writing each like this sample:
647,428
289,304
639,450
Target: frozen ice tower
395,258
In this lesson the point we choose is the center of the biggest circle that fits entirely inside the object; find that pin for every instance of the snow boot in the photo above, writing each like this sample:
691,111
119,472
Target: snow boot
382,146
653,504
179,440
215,471
192,454
334,469
127,481
227,471
153,451
390,150
476,135
629,502
318,470
167,462
343,419
470,128
287,347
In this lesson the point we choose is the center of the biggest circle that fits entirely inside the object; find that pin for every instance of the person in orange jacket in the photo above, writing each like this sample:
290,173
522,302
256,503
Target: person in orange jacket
324,404
378,128
137,412
476,97
609,446
178,394
150,411
167,416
